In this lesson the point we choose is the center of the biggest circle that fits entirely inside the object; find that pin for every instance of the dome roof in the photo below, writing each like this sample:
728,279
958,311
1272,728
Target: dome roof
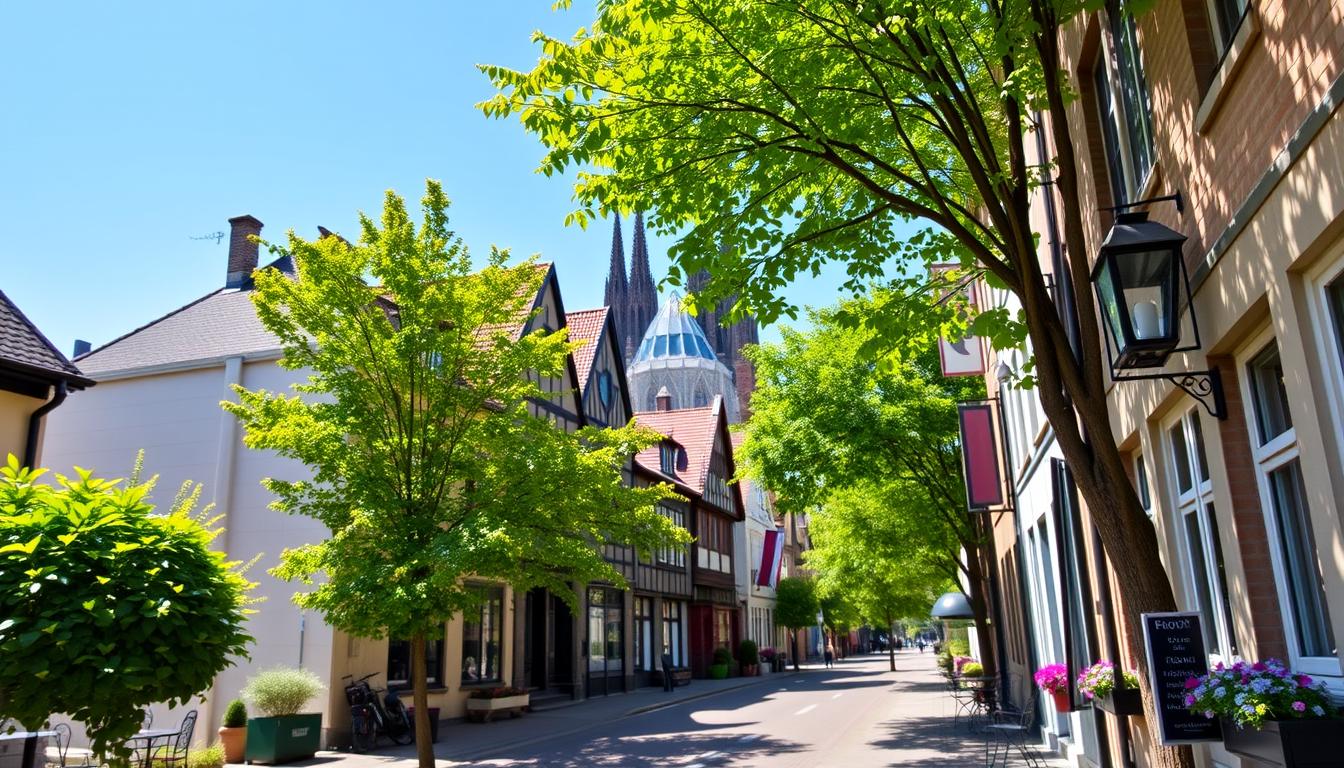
673,334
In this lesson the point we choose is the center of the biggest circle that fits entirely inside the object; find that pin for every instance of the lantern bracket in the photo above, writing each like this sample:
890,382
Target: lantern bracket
1175,197
1204,386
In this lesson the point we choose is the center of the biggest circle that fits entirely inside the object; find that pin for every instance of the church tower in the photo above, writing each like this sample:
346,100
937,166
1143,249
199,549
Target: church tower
618,288
642,302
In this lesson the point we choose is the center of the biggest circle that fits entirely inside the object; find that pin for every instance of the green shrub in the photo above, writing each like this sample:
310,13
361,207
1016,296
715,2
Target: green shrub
236,715
206,757
972,669
722,656
958,646
282,691
748,653
945,661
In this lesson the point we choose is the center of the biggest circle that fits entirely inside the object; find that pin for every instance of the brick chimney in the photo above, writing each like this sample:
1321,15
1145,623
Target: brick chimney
242,251
663,400
744,377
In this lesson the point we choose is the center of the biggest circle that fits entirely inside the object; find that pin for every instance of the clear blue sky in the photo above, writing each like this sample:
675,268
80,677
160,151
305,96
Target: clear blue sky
128,129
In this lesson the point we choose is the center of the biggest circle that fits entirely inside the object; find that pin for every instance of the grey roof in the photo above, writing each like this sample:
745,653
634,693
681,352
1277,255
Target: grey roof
23,347
218,325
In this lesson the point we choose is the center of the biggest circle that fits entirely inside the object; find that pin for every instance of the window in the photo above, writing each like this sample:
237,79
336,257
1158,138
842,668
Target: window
675,556
1288,516
1225,17
644,634
399,664
673,613
1206,572
1141,485
482,647
667,458
1125,110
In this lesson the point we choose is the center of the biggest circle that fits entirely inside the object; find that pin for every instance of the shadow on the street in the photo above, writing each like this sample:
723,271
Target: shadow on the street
952,746
670,745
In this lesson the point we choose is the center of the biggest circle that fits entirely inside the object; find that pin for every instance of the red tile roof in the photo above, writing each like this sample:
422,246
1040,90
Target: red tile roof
694,429
586,326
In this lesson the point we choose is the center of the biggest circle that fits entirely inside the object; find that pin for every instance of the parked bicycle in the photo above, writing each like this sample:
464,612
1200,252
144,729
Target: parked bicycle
372,716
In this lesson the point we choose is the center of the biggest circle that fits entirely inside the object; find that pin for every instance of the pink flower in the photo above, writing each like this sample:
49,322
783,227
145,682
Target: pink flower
1299,706
1259,666
1191,682
1304,680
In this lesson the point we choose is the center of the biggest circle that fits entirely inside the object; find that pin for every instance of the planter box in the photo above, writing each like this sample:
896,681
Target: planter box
680,676
484,710
1122,703
718,671
1288,743
283,739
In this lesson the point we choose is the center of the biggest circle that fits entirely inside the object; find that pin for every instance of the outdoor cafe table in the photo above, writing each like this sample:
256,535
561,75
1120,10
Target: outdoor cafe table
30,739
149,737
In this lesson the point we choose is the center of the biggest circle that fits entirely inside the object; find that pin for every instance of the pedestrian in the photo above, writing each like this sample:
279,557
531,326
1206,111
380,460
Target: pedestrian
830,655
921,645
668,683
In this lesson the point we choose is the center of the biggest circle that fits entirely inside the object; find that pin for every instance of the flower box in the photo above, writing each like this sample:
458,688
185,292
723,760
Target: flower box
1122,702
1305,743
483,710
283,739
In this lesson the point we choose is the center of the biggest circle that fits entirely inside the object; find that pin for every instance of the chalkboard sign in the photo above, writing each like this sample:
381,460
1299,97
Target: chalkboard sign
1175,645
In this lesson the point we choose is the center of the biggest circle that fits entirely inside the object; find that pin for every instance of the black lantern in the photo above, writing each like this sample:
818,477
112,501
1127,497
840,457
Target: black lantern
1140,280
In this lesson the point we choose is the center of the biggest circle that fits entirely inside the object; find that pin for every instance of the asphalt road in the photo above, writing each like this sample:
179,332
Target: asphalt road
858,714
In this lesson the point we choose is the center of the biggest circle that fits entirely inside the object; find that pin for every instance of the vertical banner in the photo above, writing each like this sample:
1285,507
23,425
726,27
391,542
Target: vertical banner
1174,643
980,456
966,356
772,555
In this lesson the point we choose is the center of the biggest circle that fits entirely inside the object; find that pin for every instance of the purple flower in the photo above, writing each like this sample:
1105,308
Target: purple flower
1191,682
1190,701
1299,706
1208,714
1259,666
1304,680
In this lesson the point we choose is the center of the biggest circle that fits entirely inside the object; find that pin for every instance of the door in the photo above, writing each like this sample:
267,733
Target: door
560,647
605,648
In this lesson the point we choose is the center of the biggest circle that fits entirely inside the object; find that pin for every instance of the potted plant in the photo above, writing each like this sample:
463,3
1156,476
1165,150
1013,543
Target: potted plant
484,703
719,669
959,664
1269,714
768,656
282,734
972,669
233,731
749,656
1054,680
1097,683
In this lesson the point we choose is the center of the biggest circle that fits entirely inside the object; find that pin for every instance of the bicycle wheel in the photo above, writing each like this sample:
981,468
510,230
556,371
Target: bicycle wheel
399,726
363,735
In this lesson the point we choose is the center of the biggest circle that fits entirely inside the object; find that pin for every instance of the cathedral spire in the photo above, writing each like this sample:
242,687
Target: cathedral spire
618,287
643,299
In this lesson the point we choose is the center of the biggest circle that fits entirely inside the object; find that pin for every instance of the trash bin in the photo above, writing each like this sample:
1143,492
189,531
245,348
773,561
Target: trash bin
433,723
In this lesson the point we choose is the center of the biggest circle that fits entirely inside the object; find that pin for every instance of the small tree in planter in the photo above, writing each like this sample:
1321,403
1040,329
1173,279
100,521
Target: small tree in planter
1269,713
233,731
722,658
282,733
749,657
768,656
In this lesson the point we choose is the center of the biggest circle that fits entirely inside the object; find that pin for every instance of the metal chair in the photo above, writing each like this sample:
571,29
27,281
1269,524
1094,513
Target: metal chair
175,752
1012,727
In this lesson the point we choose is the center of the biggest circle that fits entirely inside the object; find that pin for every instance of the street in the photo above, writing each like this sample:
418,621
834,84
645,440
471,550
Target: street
857,714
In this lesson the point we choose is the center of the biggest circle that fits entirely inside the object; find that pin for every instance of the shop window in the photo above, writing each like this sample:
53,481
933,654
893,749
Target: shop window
482,638
1288,516
673,614
1125,111
1206,572
644,634
399,664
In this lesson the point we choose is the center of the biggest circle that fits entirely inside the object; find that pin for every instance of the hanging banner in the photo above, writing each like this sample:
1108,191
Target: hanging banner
966,356
980,456
772,556
1174,643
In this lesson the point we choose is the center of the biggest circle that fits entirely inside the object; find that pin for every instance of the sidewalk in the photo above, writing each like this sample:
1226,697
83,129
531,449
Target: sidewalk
460,740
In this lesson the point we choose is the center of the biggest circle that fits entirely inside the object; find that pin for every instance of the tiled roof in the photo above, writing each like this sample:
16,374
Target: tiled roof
694,429
586,326
220,324
530,290
23,346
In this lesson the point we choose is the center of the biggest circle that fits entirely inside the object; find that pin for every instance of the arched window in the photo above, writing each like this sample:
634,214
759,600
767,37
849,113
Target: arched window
701,397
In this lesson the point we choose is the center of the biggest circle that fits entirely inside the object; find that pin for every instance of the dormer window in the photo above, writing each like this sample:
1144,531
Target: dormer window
667,458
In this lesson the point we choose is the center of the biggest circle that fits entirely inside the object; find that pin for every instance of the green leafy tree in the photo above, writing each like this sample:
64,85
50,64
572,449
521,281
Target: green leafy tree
876,448
108,607
773,137
871,544
430,458
796,606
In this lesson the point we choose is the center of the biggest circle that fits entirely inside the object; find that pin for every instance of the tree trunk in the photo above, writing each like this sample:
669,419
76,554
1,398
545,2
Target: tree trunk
980,607
793,634
891,644
424,748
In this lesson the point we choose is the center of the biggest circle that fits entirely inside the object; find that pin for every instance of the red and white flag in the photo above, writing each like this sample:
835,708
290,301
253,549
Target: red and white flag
772,556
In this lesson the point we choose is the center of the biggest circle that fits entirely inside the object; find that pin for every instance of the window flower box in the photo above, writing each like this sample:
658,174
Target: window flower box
1296,743
1123,702
484,704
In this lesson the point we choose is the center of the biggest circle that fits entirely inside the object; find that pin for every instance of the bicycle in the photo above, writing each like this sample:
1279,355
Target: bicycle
371,717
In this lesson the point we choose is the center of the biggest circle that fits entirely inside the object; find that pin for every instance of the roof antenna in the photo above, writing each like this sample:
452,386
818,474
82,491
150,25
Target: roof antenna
218,237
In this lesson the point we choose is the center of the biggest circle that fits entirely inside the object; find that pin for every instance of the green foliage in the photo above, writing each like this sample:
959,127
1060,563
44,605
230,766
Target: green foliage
430,459
206,757
972,669
282,690
722,656
945,661
748,653
796,603
958,642
235,716
108,607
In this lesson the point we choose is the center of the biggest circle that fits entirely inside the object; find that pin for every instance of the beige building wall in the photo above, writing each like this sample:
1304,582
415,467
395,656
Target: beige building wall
14,412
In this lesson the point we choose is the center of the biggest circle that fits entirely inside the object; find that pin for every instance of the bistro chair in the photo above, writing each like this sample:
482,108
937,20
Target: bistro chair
175,752
61,754
1012,727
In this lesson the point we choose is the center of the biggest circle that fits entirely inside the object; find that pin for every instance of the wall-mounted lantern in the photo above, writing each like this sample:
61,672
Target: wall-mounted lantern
1139,278
952,605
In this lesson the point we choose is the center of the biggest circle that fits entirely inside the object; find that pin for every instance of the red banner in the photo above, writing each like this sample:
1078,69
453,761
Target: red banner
980,456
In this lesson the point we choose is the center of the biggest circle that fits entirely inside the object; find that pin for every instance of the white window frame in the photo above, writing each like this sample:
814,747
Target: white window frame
1198,500
1330,340
1223,37
1110,60
1278,452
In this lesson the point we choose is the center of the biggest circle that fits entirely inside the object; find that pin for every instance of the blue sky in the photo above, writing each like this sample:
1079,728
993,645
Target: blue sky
129,129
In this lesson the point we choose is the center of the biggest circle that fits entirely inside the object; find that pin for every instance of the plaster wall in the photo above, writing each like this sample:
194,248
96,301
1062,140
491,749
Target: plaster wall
14,412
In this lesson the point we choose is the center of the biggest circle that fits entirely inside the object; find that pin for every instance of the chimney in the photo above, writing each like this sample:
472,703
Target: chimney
242,251
663,400
744,377
82,347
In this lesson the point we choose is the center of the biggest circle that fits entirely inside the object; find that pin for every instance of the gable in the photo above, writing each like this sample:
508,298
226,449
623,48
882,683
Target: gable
563,407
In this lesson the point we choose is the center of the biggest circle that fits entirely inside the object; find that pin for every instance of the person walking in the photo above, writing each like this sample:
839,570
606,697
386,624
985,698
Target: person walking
830,655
